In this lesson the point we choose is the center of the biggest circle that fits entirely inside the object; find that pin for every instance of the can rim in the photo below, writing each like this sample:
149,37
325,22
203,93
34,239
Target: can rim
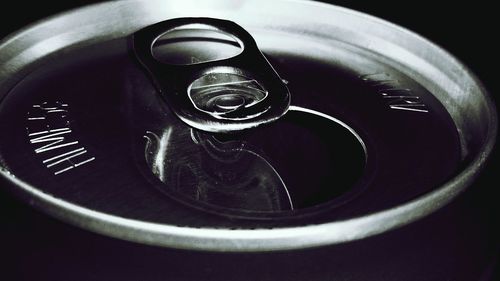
263,239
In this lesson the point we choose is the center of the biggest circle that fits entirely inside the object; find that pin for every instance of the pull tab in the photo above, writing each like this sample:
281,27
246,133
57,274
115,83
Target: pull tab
211,73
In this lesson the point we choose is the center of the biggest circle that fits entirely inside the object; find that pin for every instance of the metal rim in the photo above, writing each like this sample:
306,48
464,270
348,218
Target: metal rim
27,45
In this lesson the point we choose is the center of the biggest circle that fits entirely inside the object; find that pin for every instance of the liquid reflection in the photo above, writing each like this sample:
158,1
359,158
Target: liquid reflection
225,173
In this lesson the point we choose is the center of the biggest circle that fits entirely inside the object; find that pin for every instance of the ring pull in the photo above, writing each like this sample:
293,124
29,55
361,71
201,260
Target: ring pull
211,73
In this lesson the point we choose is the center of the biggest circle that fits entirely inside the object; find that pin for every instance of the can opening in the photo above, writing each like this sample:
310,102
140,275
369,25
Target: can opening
194,44
317,157
303,160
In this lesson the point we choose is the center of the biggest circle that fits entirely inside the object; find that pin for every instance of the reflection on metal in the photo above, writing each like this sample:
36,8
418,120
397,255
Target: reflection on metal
226,98
333,119
229,174
48,129
155,143
219,94
397,98
194,44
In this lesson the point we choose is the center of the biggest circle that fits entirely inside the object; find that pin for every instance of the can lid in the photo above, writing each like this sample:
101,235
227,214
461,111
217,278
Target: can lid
304,137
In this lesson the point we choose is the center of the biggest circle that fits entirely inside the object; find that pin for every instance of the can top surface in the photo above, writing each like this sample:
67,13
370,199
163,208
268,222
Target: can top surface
383,126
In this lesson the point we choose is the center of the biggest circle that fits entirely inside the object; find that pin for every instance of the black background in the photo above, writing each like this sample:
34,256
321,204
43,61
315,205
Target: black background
467,29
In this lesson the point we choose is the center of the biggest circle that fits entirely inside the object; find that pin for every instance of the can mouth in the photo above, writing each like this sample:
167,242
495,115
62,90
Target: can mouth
306,159
447,81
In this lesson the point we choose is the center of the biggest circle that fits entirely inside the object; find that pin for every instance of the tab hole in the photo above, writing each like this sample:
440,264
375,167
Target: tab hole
195,44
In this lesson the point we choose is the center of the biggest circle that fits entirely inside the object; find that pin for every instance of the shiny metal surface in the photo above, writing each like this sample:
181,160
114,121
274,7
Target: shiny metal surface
449,81
225,76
